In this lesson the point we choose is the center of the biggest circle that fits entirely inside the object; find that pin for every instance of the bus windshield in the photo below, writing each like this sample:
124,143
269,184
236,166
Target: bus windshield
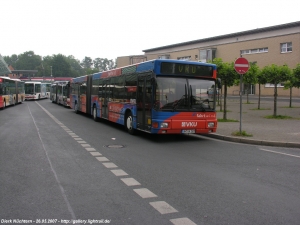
29,88
184,94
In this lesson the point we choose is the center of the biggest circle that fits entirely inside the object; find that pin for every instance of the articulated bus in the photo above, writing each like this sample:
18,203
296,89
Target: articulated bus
158,96
48,89
60,93
35,90
11,92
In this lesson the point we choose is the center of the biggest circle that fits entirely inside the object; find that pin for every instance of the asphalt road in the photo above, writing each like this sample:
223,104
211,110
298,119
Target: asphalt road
55,164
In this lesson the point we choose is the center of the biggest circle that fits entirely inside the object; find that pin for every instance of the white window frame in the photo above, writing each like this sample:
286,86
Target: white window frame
286,47
269,85
255,51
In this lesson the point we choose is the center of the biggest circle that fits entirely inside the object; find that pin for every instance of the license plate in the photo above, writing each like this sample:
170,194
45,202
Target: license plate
188,131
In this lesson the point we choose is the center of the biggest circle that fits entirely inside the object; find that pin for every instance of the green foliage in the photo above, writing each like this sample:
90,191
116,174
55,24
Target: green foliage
296,73
242,133
62,66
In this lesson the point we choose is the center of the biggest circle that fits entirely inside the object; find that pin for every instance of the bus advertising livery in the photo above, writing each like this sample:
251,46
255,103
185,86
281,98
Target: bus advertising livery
11,92
158,96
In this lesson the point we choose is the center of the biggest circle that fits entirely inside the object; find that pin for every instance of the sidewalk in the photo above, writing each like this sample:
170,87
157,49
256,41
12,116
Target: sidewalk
272,132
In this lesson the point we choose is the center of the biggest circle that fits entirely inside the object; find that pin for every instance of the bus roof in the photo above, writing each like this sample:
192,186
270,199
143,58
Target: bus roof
151,66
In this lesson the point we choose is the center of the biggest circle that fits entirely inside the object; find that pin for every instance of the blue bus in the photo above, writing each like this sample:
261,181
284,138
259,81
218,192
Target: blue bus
158,96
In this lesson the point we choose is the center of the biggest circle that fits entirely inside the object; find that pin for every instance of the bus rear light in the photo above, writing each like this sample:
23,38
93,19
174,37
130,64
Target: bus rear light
210,124
155,124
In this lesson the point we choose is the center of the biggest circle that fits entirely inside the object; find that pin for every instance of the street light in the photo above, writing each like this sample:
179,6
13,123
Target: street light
51,72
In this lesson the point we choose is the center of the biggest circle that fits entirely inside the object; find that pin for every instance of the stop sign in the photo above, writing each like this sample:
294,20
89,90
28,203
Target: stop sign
241,65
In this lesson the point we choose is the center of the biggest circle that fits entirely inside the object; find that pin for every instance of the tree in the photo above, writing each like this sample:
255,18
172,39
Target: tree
60,66
76,69
228,75
261,79
293,81
250,77
275,75
104,64
87,63
28,61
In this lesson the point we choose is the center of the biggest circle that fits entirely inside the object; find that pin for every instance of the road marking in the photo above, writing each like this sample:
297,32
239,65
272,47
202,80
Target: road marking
78,139
102,159
81,142
163,207
110,165
85,145
119,172
145,193
95,154
182,221
130,181
281,153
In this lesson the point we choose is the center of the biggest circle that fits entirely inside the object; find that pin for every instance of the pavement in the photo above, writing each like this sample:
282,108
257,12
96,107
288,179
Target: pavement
269,132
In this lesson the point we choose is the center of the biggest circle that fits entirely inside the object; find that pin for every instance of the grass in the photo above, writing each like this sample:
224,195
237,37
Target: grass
293,107
228,120
279,117
242,133
261,109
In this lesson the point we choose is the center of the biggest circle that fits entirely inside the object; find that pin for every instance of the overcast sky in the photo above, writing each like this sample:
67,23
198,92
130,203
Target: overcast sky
112,28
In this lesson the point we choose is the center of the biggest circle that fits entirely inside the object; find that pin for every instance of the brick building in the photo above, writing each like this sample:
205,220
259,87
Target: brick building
278,44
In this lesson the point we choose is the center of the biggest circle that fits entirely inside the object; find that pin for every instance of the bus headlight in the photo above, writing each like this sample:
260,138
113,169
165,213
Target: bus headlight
164,125
210,124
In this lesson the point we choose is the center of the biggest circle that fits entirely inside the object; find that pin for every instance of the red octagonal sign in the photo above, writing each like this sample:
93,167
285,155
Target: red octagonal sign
241,65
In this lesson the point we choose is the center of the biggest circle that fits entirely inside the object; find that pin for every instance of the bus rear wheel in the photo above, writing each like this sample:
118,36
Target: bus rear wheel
129,123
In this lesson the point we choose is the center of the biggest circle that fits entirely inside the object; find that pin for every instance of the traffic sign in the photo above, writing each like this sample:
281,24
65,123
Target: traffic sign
241,65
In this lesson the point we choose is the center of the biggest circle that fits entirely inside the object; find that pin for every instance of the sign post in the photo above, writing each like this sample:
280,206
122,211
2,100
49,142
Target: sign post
241,66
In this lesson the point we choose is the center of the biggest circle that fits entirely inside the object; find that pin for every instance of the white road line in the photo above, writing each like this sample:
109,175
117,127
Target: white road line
95,153
110,165
85,145
130,181
163,207
78,139
81,142
182,221
63,192
90,149
281,153
145,193
102,159
72,133
119,172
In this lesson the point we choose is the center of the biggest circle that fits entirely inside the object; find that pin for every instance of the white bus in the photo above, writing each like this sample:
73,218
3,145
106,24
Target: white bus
35,90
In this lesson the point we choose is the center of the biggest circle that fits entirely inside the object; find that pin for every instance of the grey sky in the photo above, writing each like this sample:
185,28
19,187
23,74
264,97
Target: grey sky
112,28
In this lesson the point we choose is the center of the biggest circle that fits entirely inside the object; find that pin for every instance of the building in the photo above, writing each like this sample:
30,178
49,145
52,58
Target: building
278,44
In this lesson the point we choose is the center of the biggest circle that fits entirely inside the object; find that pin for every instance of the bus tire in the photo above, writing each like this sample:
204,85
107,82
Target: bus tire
76,108
95,113
129,123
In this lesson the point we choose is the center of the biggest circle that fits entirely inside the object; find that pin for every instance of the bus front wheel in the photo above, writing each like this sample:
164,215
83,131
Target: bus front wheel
129,123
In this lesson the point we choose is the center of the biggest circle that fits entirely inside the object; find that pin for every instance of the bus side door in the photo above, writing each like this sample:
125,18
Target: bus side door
106,98
143,103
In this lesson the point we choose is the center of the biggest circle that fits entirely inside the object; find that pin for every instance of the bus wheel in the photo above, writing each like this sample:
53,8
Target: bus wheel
129,123
95,113
76,108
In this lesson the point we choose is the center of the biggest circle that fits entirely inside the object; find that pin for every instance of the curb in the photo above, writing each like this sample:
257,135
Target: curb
253,141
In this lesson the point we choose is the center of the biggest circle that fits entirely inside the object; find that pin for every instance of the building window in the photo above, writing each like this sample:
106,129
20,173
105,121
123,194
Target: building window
164,57
286,47
207,55
254,51
186,58
137,59
272,85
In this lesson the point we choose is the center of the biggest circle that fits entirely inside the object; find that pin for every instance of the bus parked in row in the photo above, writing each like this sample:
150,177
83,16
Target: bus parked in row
35,90
158,96
48,90
11,92
60,93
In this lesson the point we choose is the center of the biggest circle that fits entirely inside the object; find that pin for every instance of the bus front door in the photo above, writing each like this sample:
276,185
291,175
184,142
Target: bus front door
143,103
106,97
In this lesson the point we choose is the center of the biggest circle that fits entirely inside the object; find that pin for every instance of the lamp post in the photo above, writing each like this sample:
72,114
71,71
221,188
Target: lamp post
51,73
